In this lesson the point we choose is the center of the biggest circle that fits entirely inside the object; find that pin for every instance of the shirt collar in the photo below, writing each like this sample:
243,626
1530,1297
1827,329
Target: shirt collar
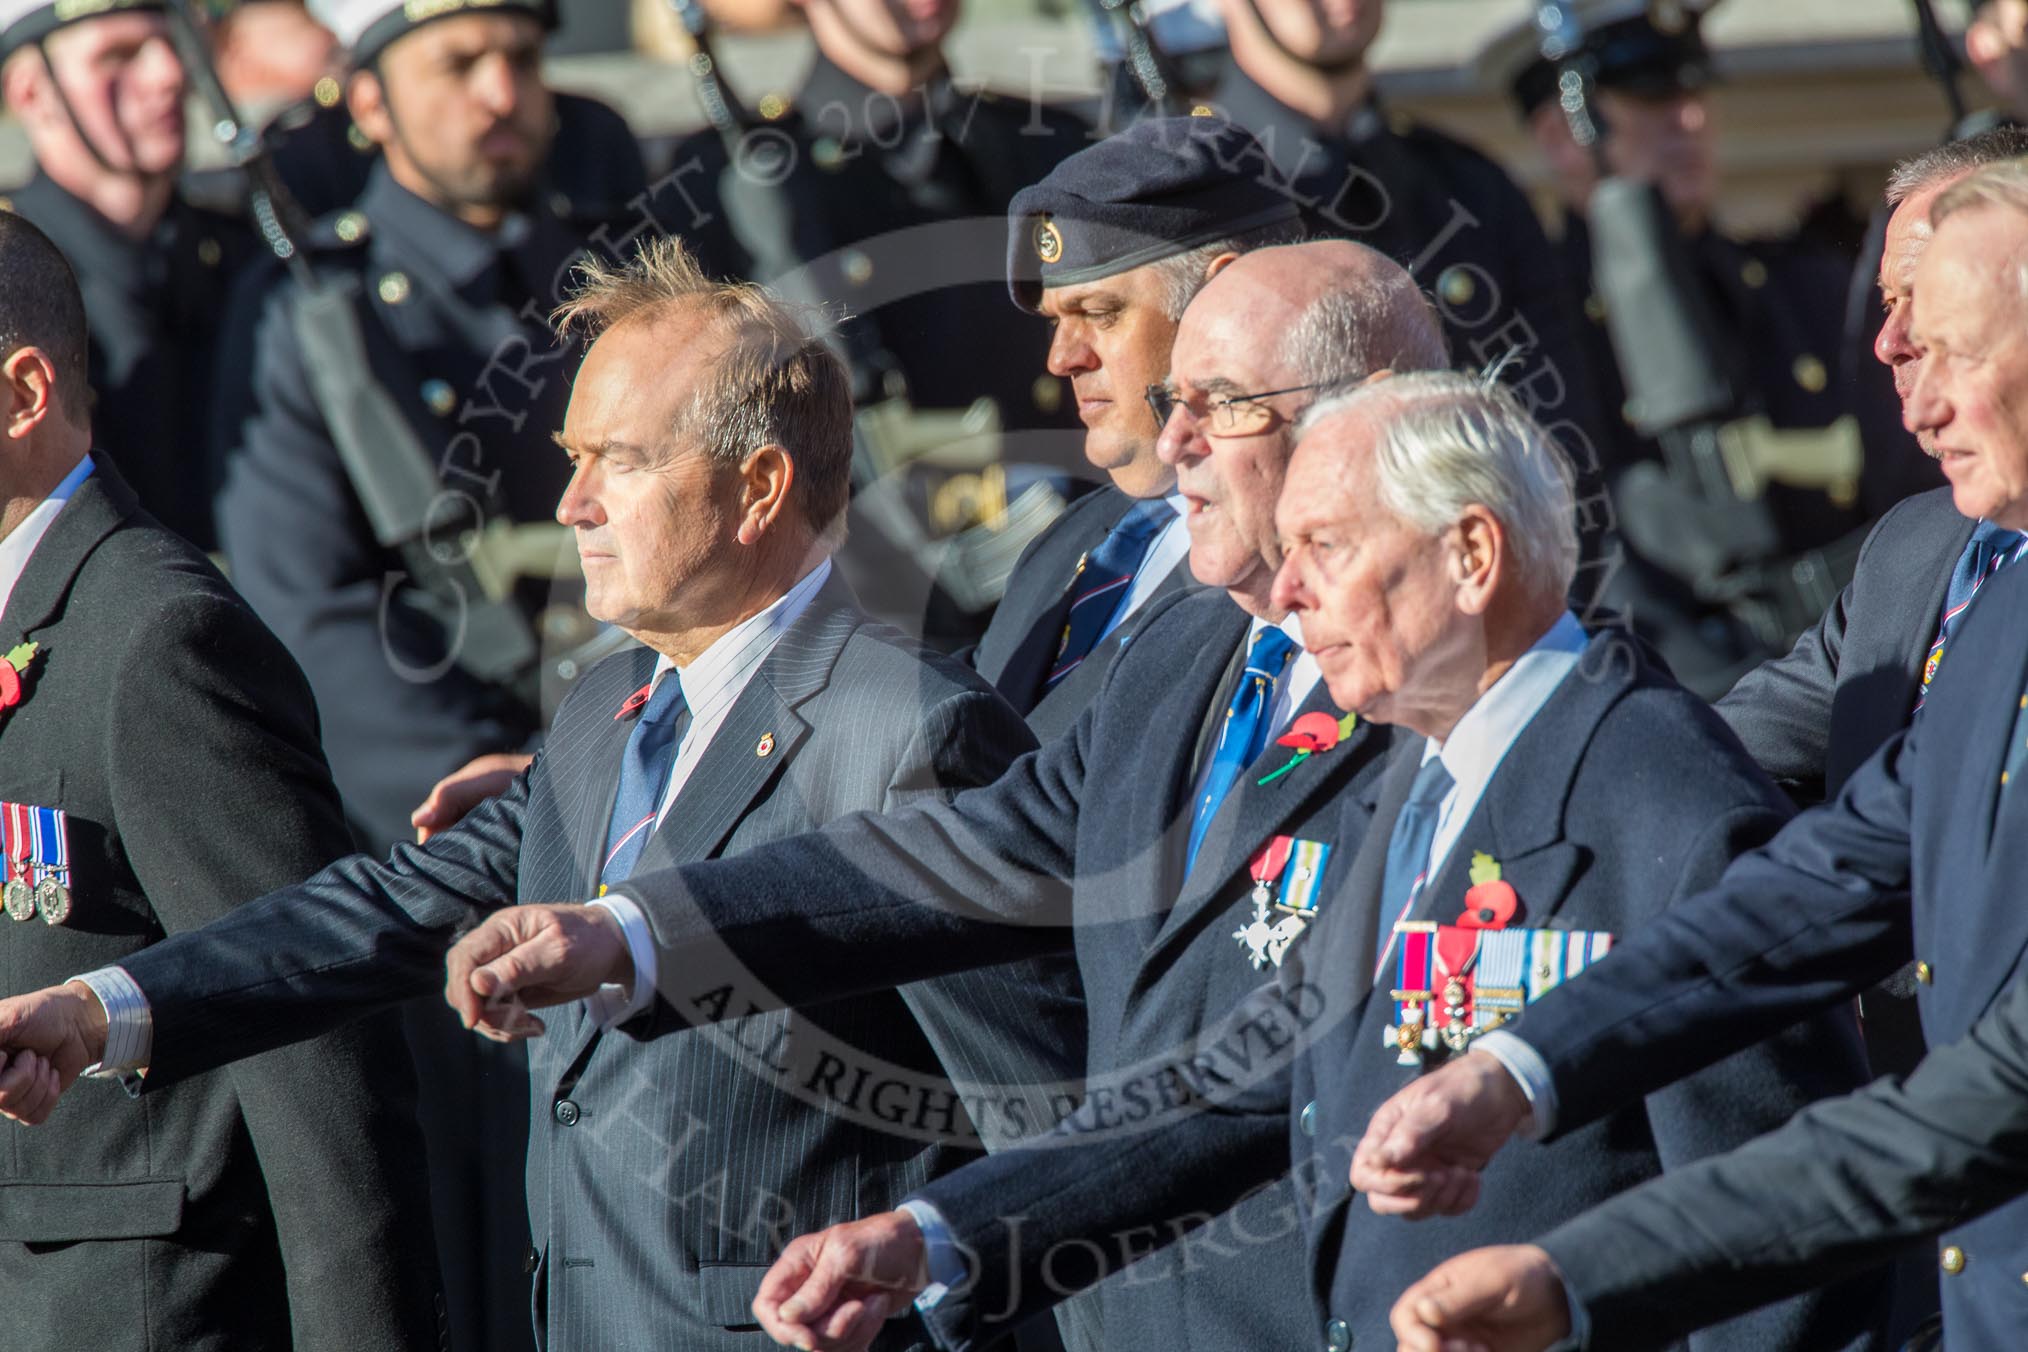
427,234
1482,737
724,667
19,545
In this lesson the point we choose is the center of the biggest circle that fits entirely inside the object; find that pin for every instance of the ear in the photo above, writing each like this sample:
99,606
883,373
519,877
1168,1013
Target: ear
1477,549
766,479
366,100
1219,264
31,390
23,83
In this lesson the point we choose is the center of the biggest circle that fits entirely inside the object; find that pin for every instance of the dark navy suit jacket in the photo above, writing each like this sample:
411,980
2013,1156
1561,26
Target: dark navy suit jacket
1621,796
1019,647
1920,855
1081,843
1848,1183
1813,716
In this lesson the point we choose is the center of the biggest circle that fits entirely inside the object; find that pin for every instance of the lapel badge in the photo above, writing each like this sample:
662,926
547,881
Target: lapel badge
1490,902
635,701
1048,241
1279,920
765,747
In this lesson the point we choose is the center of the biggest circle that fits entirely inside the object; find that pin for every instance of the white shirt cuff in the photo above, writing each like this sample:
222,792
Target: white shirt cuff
612,1004
130,1027
1531,1072
945,1260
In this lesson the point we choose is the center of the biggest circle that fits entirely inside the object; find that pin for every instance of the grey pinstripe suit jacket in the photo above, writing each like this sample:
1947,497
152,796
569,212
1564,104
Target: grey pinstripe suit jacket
664,1177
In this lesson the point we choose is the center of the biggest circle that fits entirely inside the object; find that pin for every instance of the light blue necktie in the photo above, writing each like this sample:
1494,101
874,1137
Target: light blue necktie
1104,577
1244,735
1408,848
644,776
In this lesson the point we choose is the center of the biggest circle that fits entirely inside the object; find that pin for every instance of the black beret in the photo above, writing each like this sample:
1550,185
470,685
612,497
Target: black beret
1162,187
1654,52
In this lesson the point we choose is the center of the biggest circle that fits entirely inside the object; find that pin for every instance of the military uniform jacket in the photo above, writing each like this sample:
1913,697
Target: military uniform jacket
281,1202
901,208
1453,218
1815,715
454,331
1082,844
1778,306
1920,851
1020,646
663,1178
153,305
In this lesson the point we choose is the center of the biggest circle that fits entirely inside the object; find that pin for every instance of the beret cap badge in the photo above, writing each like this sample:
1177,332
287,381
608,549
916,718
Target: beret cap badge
1048,241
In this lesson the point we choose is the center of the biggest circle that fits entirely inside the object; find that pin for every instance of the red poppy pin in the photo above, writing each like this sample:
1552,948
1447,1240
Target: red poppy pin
1490,902
1311,735
12,689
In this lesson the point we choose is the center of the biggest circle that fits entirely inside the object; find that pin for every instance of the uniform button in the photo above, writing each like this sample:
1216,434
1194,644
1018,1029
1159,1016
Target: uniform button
1754,273
209,253
394,288
327,93
1307,1121
1456,286
566,1113
1953,1259
1925,973
772,107
1337,1336
1810,373
441,398
530,1260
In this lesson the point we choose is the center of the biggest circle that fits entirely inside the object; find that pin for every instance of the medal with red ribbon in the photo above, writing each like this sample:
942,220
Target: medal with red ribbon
1265,870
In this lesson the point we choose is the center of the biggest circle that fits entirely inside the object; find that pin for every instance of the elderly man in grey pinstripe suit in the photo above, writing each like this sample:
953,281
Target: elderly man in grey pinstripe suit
710,439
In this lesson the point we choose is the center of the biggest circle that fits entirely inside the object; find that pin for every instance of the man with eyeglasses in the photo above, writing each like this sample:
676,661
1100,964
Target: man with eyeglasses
1138,838
1110,248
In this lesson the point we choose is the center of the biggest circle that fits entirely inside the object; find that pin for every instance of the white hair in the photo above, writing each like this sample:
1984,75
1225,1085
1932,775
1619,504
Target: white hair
1448,441
2002,186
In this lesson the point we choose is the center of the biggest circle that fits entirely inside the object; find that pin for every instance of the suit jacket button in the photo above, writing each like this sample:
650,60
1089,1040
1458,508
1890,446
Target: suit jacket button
566,1113
1953,1259
1337,1336
1924,973
1308,1119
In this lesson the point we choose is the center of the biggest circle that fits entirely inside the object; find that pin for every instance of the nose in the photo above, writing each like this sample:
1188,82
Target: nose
579,505
1691,114
495,86
1069,353
1288,592
1891,346
1179,440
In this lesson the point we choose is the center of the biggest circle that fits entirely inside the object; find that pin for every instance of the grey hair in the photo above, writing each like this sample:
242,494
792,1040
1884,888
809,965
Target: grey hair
1954,159
1183,275
1997,185
1383,323
1448,441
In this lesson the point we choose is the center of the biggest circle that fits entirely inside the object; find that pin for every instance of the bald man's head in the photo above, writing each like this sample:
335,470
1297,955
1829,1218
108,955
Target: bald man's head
1256,347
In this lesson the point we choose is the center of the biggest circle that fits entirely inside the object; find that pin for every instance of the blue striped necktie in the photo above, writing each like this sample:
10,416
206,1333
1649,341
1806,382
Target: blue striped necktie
1990,549
1408,848
644,776
1246,728
1104,577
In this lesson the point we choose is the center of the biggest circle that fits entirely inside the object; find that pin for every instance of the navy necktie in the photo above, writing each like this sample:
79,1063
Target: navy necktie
1244,735
1990,549
644,776
1104,576
1408,848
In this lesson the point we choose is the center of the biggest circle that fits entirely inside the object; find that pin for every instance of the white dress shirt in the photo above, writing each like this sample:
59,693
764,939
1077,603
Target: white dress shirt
20,542
1482,738
711,684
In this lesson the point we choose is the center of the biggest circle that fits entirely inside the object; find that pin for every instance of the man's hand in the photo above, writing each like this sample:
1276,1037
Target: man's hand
1508,1299
831,1291
1425,1146
531,957
47,1038
464,789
